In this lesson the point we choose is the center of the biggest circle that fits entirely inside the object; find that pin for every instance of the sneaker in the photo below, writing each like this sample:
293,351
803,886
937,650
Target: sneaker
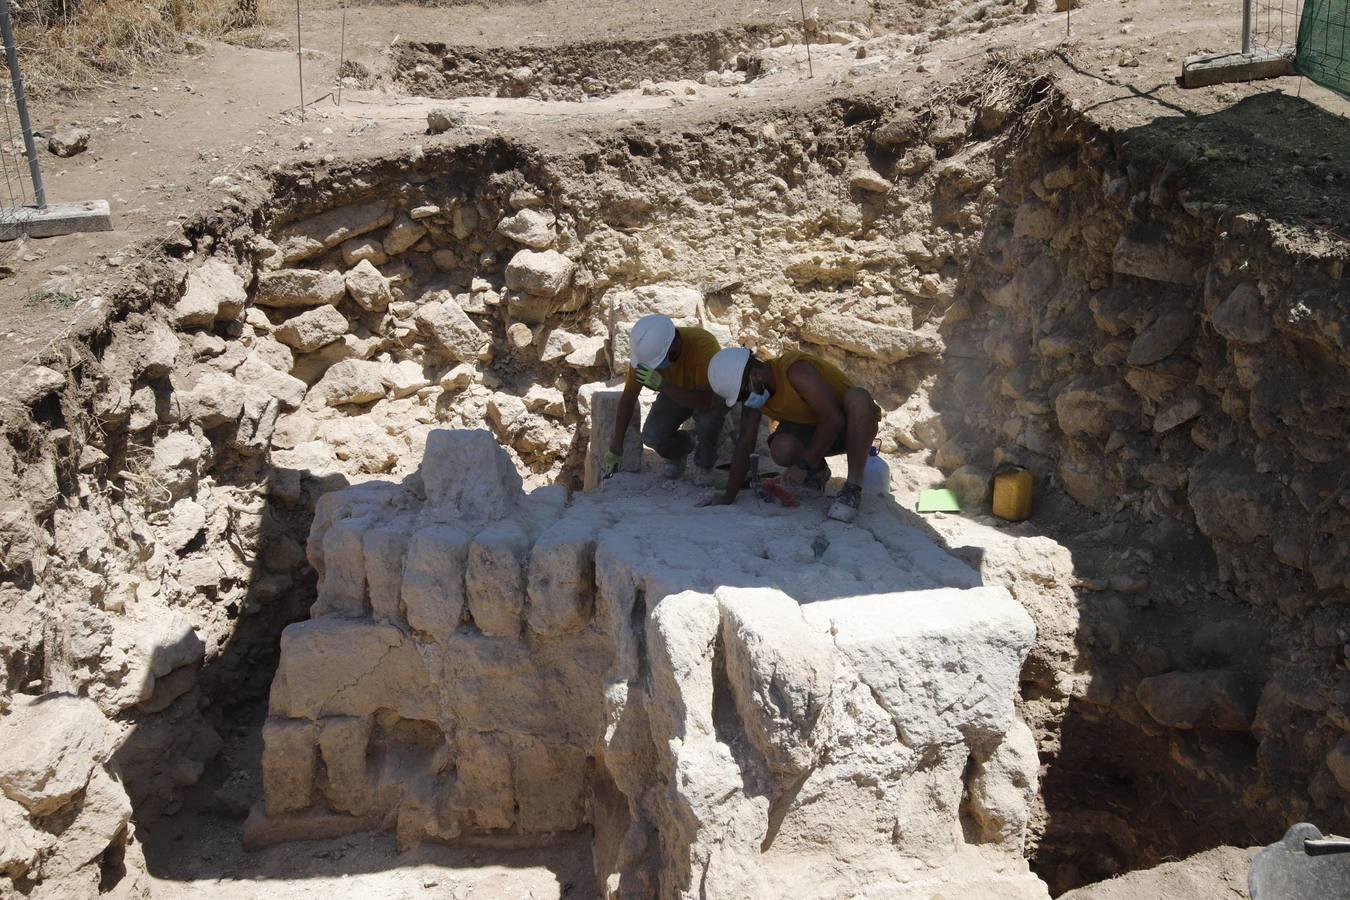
674,468
845,506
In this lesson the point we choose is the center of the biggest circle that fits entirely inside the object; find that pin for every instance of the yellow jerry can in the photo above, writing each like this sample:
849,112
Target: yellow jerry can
1012,495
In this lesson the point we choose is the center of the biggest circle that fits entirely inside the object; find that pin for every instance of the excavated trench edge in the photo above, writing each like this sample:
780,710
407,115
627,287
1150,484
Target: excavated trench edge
300,192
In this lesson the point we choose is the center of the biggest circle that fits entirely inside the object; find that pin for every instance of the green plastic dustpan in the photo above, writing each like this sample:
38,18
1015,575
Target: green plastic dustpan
939,500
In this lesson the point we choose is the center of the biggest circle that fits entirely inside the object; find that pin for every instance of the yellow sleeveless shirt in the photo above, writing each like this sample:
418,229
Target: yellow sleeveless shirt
786,405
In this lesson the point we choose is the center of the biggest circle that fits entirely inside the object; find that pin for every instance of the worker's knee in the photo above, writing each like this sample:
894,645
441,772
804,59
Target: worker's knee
859,406
785,450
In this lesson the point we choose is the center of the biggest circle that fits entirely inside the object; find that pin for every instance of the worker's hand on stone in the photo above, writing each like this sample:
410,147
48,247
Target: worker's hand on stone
612,462
803,474
718,499
649,377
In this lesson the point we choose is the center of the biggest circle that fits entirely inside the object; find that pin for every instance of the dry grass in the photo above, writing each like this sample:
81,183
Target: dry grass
67,47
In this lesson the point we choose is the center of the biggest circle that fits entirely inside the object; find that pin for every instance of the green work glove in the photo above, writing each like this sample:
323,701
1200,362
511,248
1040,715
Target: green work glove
612,462
648,377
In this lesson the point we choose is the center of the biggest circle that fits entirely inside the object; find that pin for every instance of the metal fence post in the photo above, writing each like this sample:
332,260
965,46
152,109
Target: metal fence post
1246,26
12,60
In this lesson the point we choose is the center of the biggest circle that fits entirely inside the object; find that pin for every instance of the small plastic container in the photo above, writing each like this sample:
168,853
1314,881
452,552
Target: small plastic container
1012,495
876,475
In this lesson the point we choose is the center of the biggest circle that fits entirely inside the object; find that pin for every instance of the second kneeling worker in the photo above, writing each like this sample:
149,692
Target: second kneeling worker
820,412
673,362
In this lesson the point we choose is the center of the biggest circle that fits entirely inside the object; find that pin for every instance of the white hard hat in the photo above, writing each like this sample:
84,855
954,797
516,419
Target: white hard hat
725,371
650,341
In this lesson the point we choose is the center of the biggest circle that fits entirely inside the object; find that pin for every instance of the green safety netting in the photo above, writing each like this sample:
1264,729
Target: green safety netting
1324,42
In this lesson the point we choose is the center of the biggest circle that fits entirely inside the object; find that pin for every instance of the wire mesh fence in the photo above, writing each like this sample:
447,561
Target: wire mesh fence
1324,44
1274,24
17,192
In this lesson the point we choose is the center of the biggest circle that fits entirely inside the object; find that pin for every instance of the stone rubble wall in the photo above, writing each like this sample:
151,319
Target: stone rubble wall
1179,368
486,664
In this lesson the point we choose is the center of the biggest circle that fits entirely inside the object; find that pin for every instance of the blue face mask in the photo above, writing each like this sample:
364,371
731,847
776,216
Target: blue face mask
757,400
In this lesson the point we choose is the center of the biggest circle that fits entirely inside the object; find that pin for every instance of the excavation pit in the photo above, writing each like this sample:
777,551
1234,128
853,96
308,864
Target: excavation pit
231,484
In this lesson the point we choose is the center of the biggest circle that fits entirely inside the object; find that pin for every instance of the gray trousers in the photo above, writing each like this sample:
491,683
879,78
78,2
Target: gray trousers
662,431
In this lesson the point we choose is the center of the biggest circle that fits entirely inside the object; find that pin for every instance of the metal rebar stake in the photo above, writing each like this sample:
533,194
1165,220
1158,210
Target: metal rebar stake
1246,27
806,36
12,60
300,59
342,52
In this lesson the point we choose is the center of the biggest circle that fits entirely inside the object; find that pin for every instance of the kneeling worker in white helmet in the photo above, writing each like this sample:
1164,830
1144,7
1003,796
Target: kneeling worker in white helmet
673,362
820,412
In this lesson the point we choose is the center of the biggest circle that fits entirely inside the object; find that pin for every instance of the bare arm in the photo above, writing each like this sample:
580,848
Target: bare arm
740,456
627,403
829,411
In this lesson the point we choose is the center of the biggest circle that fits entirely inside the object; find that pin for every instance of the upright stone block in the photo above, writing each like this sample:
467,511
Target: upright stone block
604,410
495,578
433,580
343,741
288,765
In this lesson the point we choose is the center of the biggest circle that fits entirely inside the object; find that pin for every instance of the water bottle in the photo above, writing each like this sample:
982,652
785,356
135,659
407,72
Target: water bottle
876,475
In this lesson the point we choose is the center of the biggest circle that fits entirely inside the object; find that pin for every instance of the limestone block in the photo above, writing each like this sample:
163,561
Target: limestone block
214,291
288,759
469,472
677,301
558,344
313,329
1240,316
383,548
365,446
883,342
404,378
364,249
155,355
313,236
543,274
104,812
587,353
299,287
1093,405
447,324
604,409
865,178
1231,500
561,583
1163,337
972,486
402,234
550,787
343,589
21,845
547,400
681,635
347,382
349,667
1155,257
943,663
780,671
257,372
495,578
484,788
1210,699
532,227
151,641
51,745
343,743
433,580
1004,787
367,286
